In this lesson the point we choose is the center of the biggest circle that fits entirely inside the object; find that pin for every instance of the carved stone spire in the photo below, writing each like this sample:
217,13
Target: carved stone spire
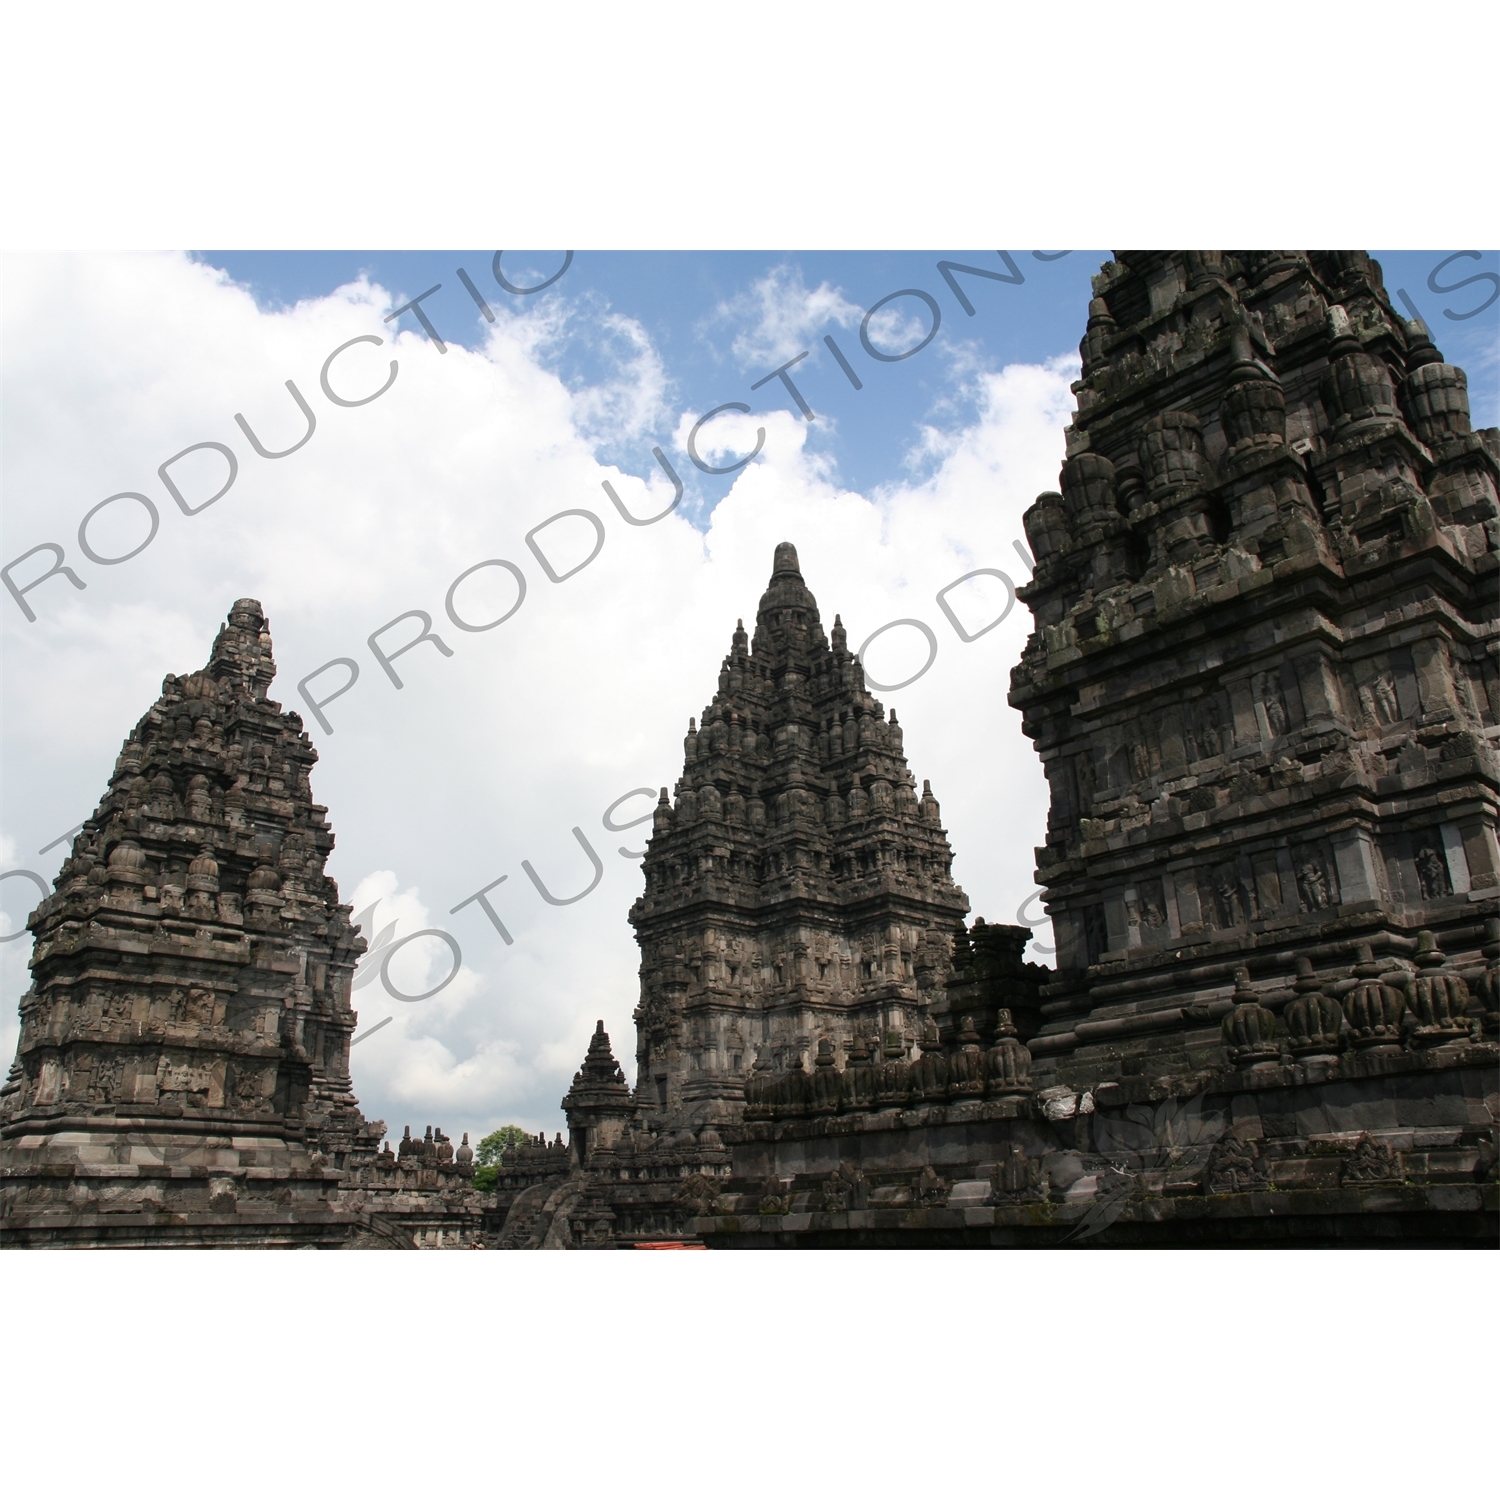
798,876
190,1000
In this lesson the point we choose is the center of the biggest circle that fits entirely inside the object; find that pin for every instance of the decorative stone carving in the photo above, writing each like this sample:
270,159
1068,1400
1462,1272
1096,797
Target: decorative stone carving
845,1189
1047,527
1358,385
966,1065
824,1096
931,1190
1314,1021
1254,411
1007,1065
1235,1166
697,1197
1313,885
1088,489
774,1198
1438,997
857,1081
1017,1175
1372,1161
930,1071
1486,988
792,1091
1374,1007
758,1088
1436,399
1432,870
1249,1029
1175,511
892,1080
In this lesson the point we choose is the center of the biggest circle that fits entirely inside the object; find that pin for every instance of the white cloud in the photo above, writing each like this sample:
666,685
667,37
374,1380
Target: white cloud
783,316
493,755
898,327
633,403
632,400
13,919
397,962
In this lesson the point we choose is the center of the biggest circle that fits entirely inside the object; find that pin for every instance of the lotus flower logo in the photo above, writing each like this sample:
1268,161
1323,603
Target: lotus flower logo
1144,1140
369,964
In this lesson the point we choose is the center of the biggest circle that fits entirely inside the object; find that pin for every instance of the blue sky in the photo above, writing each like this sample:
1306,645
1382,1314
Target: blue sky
694,307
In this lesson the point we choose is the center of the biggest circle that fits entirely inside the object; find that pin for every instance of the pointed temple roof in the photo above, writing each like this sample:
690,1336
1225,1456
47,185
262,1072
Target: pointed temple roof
600,1082
797,872
794,743
191,974
788,633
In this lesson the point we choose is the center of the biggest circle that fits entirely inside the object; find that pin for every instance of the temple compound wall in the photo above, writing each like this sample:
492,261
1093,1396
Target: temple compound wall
1262,682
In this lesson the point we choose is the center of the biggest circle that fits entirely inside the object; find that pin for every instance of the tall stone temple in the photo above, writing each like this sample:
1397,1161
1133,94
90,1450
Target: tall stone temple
182,1074
1263,685
799,887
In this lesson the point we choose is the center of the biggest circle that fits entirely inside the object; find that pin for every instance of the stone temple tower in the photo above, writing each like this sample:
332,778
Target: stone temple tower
1262,679
798,889
182,1076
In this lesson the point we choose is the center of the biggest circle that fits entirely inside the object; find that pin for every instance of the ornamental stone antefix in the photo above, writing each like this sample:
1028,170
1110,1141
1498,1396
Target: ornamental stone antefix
1375,1005
798,884
182,1074
1487,982
1314,1021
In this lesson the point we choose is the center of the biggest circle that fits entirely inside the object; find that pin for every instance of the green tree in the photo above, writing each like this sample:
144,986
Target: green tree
487,1154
